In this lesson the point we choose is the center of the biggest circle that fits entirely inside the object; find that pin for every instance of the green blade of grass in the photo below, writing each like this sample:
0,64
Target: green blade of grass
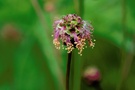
51,59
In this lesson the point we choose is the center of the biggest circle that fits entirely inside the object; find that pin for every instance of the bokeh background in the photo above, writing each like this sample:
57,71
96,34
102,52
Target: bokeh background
29,61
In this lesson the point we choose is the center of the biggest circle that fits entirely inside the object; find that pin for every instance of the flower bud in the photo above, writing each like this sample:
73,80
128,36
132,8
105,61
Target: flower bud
10,32
49,6
92,76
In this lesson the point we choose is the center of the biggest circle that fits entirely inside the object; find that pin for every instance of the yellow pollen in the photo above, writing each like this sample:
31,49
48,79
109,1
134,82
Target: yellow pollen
56,43
69,47
92,44
80,46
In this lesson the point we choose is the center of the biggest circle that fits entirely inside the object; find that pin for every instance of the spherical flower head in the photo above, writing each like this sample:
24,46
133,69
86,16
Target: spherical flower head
92,76
73,32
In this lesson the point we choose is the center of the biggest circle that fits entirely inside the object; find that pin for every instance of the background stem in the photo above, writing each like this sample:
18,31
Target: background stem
81,8
57,75
127,57
98,87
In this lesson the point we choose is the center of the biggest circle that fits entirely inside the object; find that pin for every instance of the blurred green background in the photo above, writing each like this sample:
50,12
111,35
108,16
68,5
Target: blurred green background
29,61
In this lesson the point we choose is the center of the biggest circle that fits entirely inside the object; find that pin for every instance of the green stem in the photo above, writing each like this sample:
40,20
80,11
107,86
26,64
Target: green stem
96,85
77,71
77,62
68,70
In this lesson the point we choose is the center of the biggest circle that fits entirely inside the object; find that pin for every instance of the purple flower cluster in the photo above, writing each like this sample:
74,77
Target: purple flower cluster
73,32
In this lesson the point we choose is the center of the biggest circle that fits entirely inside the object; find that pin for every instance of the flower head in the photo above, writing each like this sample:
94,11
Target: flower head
73,32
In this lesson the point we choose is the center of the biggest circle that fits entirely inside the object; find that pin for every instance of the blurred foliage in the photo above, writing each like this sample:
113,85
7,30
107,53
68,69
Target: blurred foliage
29,61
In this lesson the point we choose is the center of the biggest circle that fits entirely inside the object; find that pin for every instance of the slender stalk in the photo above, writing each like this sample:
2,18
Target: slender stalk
127,58
126,68
68,70
98,87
